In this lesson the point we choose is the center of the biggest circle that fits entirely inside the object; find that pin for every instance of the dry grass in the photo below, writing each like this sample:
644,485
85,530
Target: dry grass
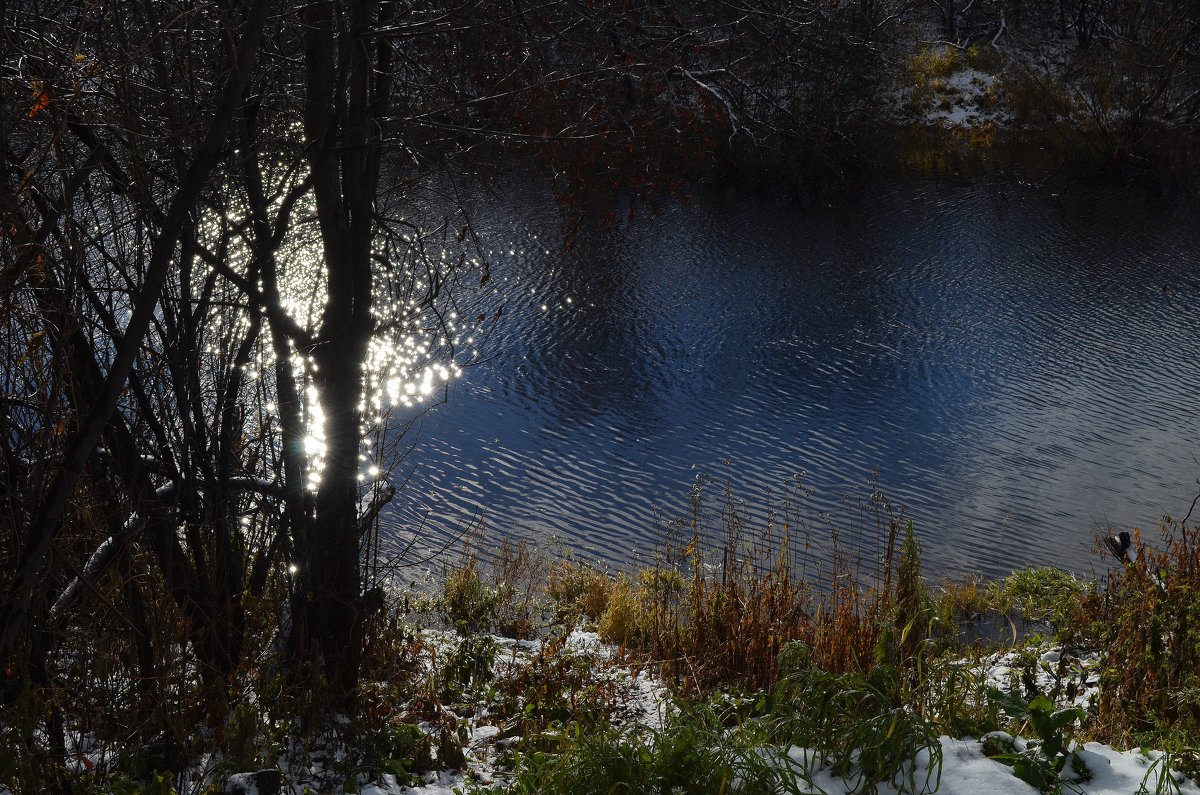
720,616
749,612
1147,620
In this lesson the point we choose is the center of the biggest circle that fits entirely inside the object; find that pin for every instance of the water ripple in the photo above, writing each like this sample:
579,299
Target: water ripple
1017,371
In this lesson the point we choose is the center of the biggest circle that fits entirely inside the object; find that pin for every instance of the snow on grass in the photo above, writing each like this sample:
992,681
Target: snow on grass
643,698
966,770
637,699
1070,677
643,701
961,99
443,783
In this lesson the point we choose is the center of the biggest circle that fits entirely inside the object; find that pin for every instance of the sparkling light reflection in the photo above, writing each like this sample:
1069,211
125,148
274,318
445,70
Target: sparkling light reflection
410,360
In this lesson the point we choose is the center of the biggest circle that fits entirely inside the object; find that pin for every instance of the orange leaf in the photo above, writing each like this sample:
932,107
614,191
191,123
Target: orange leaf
41,101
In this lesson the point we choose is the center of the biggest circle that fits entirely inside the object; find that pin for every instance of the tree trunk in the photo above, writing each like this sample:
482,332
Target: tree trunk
341,125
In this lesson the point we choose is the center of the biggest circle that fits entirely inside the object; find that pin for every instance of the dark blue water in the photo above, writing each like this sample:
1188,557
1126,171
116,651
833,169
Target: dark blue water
1017,369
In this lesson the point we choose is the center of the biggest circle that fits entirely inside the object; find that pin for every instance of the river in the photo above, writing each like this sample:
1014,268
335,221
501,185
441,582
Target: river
1017,368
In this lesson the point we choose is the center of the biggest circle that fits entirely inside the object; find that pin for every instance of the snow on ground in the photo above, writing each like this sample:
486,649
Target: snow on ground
965,768
438,784
643,697
960,101
639,699
967,771
1070,677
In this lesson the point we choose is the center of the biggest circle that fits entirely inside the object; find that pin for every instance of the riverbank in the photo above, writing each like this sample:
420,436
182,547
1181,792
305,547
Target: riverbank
720,672
1028,97
813,99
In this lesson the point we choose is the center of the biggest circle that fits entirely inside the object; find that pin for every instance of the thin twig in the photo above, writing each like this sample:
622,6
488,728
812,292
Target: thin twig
1189,513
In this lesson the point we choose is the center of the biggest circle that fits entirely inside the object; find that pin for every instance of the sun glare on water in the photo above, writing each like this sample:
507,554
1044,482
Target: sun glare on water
412,357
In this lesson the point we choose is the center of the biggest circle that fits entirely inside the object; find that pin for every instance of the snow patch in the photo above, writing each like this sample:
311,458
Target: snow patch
966,770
